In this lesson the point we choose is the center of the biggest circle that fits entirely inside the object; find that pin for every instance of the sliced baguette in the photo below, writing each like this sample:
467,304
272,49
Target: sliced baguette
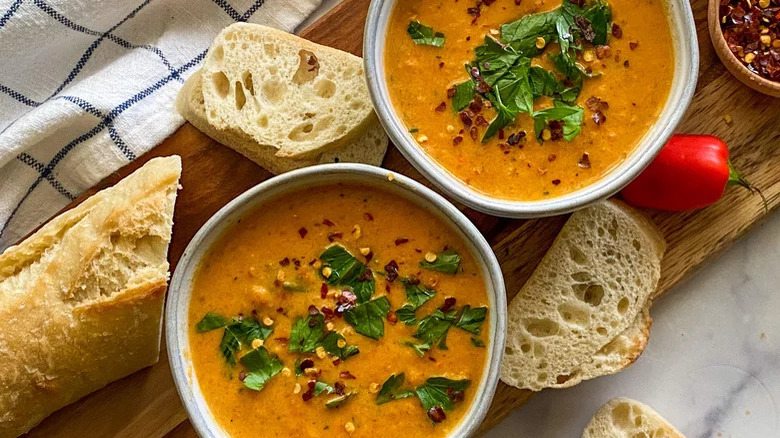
281,90
81,300
368,148
584,311
626,418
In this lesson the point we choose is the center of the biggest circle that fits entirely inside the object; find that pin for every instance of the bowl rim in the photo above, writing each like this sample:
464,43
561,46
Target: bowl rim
617,178
729,59
179,294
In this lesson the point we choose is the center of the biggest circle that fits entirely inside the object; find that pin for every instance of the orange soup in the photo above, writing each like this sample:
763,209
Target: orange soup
339,311
528,100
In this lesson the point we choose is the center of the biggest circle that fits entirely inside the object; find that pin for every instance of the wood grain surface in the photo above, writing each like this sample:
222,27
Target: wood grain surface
146,404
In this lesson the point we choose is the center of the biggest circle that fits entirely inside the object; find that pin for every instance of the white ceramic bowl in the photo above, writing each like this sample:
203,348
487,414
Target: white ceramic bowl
686,55
180,289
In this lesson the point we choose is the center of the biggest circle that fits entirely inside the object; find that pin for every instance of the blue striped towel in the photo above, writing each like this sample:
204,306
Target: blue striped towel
87,86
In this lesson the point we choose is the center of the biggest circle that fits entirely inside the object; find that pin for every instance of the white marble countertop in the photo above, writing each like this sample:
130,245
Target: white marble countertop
712,366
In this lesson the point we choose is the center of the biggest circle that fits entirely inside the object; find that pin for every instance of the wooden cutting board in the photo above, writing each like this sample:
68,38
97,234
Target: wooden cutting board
146,404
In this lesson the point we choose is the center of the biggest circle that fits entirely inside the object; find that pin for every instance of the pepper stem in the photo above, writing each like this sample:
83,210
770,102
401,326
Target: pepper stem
735,179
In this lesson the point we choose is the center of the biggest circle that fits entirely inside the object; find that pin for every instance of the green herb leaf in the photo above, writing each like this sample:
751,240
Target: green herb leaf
471,319
406,314
307,333
261,368
433,328
346,270
368,318
297,365
521,34
464,94
424,35
420,349
339,400
599,15
293,287
416,294
504,116
414,131
477,342
447,262
571,116
238,333
494,59
391,390
331,345
544,82
211,321
320,387
436,391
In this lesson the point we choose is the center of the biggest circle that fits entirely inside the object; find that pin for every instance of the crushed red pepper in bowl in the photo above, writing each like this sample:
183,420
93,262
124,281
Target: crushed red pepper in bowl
752,30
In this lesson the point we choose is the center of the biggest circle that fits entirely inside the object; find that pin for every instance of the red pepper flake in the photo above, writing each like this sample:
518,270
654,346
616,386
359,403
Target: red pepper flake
585,28
327,222
334,236
515,138
283,341
633,44
595,104
392,318
401,241
617,32
339,388
556,182
476,105
603,52
455,396
313,310
329,314
346,301
442,106
391,269
441,65
436,414
464,117
346,375
487,2
451,92
556,130
500,134
474,12
482,86
449,303
242,375
480,121
303,232
457,140
518,2
305,364
474,133
284,262
309,394
551,158
280,309
579,3
584,161
413,280
336,361
625,63
324,291
368,216
369,256
599,117
504,148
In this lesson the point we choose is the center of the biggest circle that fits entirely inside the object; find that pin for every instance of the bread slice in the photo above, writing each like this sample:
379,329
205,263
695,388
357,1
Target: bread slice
81,300
584,311
284,91
368,148
626,418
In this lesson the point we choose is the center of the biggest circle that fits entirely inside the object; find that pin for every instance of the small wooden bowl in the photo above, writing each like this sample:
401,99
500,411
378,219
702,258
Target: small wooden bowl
731,62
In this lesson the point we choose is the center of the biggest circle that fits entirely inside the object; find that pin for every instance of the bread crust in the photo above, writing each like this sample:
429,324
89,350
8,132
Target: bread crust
81,300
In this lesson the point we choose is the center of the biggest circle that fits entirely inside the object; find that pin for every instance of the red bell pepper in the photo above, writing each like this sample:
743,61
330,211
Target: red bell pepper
691,171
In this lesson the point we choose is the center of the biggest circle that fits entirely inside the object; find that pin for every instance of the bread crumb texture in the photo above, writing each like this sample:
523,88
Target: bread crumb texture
81,299
626,418
285,91
584,311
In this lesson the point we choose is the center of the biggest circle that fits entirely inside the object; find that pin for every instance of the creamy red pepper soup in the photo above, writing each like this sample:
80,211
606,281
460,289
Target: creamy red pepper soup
528,100
335,311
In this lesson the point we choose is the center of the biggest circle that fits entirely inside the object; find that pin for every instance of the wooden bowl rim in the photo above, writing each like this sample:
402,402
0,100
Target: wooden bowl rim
735,67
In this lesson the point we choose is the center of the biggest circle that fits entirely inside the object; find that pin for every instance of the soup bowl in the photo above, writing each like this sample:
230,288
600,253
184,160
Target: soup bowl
686,62
180,289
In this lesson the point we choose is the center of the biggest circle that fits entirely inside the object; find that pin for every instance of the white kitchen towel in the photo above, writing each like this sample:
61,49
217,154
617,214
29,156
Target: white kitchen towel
87,86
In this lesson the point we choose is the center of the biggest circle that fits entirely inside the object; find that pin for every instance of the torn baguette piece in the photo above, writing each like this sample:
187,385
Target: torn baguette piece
627,418
368,148
283,91
584,312
81,300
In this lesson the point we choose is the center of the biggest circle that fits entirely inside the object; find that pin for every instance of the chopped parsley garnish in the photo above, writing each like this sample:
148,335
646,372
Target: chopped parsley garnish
368,318
261,368
433,329
211,321
477,342
309,333
391,390
464,93
436,394
569,115
240,333
471,319
424,35
406,314
320,387
416,294
447,262
346,270
339,400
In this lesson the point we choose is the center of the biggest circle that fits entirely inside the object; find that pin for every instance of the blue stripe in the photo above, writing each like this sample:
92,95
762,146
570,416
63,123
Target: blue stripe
99,127
9,13
37,165
251,11
91,49
18,96
229,9
83,104
88,107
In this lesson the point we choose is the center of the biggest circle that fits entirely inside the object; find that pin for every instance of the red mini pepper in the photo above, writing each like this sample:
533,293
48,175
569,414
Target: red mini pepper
691,171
